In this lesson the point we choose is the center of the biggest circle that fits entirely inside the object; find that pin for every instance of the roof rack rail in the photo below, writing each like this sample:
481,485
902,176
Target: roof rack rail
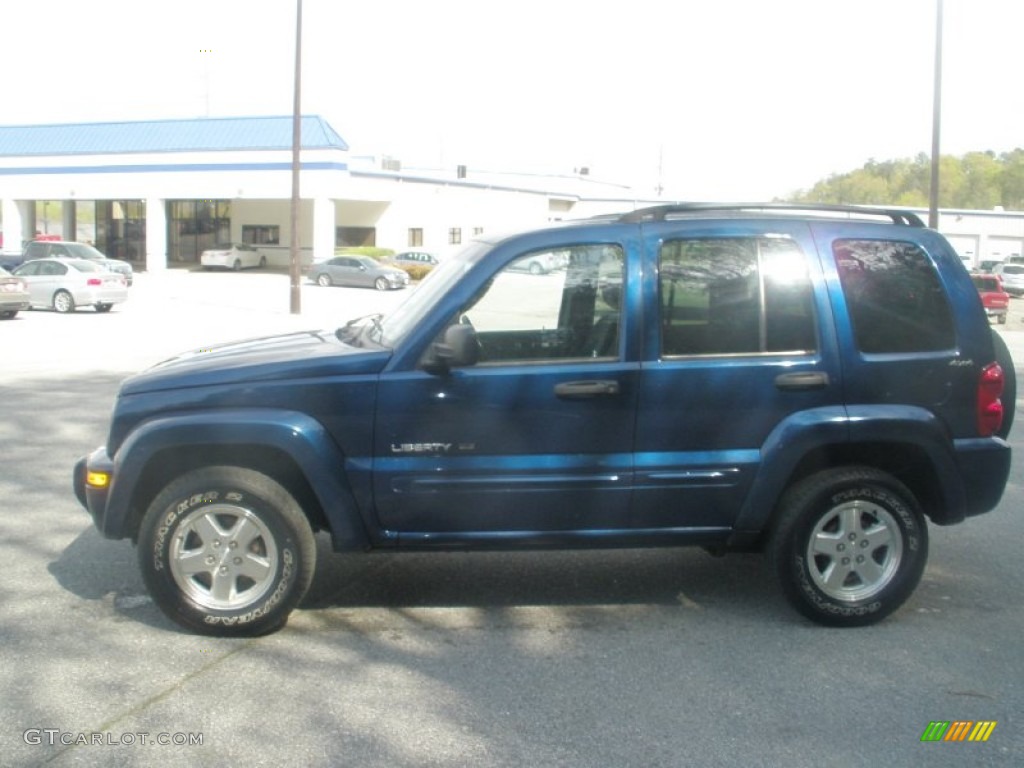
662,212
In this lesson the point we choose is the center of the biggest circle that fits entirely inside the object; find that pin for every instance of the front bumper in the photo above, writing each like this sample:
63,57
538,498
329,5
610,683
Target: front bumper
92,497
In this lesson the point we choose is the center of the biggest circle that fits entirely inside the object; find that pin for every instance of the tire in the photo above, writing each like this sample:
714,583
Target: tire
103,307
1002,319
188,532
63,302
536,268
237,266
381,284
1005,360
9,314
324,280
856,523
263,262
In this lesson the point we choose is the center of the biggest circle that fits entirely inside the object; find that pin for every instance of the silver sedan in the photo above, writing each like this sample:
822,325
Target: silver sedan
65,284
359,271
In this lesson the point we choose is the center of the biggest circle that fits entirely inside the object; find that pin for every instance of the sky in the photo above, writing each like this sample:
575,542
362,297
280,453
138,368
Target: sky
709,99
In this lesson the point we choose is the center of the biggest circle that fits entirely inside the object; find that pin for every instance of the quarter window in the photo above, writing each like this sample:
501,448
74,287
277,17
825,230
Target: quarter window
895,300
721,296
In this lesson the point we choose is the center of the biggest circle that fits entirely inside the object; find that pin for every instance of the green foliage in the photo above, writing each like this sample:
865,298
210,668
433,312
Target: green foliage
364,250
416,271
977,180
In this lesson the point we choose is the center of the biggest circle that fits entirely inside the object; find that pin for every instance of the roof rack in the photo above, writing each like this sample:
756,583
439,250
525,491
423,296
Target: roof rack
662,212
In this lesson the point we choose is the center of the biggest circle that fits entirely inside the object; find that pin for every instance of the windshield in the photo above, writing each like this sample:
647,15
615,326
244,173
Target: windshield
86,266
408,314
1013,269
83,251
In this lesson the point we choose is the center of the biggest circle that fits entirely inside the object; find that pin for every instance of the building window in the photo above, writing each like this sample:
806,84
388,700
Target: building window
415,237
258,234
455,236
478,231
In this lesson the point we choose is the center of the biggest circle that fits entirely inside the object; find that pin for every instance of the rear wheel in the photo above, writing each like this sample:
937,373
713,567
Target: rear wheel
850,546
324,280
63,302
237,266
263,262
226,551
8,314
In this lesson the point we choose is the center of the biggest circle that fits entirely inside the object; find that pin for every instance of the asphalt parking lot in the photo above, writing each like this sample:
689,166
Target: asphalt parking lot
626,658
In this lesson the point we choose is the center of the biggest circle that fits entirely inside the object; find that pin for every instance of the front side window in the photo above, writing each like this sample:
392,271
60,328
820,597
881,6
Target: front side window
722,296
571,311
895,300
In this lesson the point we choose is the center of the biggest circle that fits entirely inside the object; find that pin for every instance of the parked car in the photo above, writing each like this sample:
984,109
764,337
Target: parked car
14,295
423,258
64,284
811,385
1012,276
543,263
234,256
995,300
43,249
360,271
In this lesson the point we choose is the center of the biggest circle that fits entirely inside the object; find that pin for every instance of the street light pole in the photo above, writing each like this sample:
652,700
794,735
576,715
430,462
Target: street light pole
296,266
933,196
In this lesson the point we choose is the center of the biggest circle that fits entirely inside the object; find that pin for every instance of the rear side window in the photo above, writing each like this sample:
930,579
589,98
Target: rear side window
722,296
894,296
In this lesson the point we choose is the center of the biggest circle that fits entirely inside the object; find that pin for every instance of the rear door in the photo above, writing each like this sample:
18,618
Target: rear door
733,348
536,437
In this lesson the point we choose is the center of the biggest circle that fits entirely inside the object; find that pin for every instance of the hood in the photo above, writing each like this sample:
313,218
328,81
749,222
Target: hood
296,356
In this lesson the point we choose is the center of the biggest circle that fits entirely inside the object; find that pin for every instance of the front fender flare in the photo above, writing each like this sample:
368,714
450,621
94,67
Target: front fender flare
295,434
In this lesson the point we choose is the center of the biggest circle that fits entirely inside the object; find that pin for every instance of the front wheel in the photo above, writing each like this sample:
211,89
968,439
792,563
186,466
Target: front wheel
226,551
850,546
324,280
381,284
8,314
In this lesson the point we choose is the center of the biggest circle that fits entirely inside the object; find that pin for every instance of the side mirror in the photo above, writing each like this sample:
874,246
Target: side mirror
458,350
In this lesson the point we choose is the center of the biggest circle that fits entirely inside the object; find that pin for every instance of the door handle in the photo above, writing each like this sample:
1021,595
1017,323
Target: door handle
796,382
584,389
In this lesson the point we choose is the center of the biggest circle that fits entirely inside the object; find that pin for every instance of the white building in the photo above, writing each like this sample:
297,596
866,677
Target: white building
159,192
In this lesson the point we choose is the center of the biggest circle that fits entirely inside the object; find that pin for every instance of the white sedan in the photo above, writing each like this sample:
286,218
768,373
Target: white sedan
232,256
64,284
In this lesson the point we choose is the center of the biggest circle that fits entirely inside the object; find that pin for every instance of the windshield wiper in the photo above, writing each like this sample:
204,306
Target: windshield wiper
351,331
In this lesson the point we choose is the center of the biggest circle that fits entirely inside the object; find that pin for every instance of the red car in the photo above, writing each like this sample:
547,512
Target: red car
995,299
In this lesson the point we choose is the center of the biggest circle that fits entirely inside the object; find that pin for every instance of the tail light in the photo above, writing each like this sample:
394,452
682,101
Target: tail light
990,406
94,281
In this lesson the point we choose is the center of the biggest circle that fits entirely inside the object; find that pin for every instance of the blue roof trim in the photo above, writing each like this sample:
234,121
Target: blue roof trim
165,168
198,135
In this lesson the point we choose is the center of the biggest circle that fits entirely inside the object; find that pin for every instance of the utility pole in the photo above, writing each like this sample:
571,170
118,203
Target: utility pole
933,196
296,265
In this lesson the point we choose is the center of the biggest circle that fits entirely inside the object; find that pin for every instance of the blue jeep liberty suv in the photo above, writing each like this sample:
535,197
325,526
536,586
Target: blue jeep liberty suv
814,383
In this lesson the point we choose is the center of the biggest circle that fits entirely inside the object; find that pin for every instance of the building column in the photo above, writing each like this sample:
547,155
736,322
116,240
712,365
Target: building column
14,215
156,234
69,225
323,228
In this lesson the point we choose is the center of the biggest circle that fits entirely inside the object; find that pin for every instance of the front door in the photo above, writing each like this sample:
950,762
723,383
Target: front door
537,435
